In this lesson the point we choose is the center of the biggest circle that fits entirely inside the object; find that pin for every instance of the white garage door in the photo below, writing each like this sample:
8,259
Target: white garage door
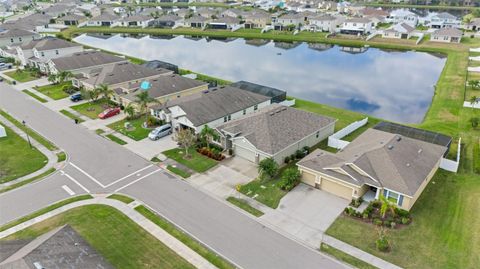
245,153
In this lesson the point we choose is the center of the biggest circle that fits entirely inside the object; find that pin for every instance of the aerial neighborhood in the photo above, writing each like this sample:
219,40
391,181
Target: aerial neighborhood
117,156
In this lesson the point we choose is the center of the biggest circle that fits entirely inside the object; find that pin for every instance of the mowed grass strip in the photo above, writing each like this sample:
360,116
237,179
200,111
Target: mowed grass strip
206,253
28,181
195,161
116,139
71,115
45,210
342,256
54,91
178,171
17,159
122,198
122,242
40,139
245,206
36,97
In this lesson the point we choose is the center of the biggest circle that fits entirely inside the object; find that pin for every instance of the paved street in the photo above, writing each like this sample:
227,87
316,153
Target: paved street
97,165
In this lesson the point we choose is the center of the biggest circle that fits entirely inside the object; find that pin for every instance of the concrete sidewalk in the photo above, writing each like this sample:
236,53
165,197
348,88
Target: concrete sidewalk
51,156
178,247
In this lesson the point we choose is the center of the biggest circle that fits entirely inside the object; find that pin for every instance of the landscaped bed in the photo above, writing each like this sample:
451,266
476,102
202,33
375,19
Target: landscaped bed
121,241
55,91
17,159
195,161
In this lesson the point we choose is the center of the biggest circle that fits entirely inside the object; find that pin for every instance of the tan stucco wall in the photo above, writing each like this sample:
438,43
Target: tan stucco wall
328,184
336,188
308,178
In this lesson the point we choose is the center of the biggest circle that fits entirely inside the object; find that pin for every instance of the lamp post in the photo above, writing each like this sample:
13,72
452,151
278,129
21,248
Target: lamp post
26,131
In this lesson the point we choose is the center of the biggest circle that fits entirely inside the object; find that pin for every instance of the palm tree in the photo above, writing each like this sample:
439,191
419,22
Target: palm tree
52,78
473,100
386,206
130,111
143,99
64,76
208,134
104,91
474,84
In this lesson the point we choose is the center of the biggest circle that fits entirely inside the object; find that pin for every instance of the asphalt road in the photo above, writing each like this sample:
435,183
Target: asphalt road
97,165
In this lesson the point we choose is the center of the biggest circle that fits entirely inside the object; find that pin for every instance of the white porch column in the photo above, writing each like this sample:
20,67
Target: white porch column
377,193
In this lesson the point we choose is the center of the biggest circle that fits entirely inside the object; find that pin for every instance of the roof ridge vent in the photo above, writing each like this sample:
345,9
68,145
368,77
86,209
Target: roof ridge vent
399,138
390,147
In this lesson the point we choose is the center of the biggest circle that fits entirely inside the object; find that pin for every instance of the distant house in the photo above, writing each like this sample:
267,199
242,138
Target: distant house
447,35
16,36
136,21
167,21
290,19
323,23
375,163
210,107
104,19
444,20
276,95
356,26
196,22
72,19
399,30
156,64
369,11
403,15
225,23
83,63
256,19
37,53
58,10
274,132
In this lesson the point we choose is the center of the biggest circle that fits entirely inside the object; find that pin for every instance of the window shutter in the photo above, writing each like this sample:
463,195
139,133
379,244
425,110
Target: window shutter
400,200
385,193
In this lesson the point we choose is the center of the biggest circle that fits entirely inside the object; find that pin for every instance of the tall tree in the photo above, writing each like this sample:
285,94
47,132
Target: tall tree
130,111
104,91
208,134
143,99
186,139
267,167
386,206
64,76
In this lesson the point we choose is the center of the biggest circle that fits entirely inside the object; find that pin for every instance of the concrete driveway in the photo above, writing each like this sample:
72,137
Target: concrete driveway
149,149
306,213
221,180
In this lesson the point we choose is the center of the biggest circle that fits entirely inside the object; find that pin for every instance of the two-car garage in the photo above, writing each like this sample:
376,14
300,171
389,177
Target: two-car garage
327,185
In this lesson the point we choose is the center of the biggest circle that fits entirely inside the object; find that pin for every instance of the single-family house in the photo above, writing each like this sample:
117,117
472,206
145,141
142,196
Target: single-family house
16,36
369,11
58,10
119,75
274,132
473,25
105,19
85,62
290,19
207,12
323,23
377,162
256,19
276,95
211,107
447,35
403,15
356,26
85,9
162,88
136,21
399,30
167,21
232,12
183,12
37,53
444,20
71,19
196,22
227,23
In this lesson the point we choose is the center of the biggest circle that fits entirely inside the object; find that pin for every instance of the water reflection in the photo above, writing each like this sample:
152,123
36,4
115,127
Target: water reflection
393,85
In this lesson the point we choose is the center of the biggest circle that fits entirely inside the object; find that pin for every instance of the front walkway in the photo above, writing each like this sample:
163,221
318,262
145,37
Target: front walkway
51,156
174,244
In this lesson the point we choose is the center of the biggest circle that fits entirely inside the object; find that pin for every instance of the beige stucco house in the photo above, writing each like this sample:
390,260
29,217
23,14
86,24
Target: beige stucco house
377,162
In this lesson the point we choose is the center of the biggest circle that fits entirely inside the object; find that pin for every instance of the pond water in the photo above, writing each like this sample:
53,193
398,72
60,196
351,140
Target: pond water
394,85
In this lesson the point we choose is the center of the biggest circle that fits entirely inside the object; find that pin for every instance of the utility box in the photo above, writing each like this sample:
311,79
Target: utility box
3,133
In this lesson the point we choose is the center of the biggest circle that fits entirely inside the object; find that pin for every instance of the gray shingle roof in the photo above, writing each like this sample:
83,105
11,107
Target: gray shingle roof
203,108
50,43
16,33
448,32
395,162
276,127
86,59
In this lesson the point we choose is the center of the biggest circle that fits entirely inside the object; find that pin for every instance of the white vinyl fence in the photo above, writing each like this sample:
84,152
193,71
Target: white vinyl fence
335,141
450,165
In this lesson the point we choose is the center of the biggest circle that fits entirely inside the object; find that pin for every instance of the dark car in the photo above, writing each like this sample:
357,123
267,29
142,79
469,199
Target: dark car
76,97
109,112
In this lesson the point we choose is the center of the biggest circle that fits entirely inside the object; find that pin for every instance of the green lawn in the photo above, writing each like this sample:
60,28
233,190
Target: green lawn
206,253
17,159
265,191
28,181
121,241
40,139
54,91
178,171
22,76
116,139
121,198
38,98
196,161
61,156
245,206
342,256
71,115
137,133
91,109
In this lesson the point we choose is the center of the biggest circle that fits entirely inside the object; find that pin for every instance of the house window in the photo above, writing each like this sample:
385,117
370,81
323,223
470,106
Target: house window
43,54
229,117
225,119
255,107
244,111
317,134
393,197
56,52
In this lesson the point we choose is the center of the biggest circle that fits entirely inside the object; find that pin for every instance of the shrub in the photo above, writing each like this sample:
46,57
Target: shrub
365,216
230,152
69,89
369,209
152,121
387,223
376,204
287,159
402,213
268,167
382,244
377,222
299,154
306,150
405,220
290,179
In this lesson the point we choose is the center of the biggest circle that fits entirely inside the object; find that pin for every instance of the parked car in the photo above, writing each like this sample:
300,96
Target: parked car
4,66
76,97
109,112
160,132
